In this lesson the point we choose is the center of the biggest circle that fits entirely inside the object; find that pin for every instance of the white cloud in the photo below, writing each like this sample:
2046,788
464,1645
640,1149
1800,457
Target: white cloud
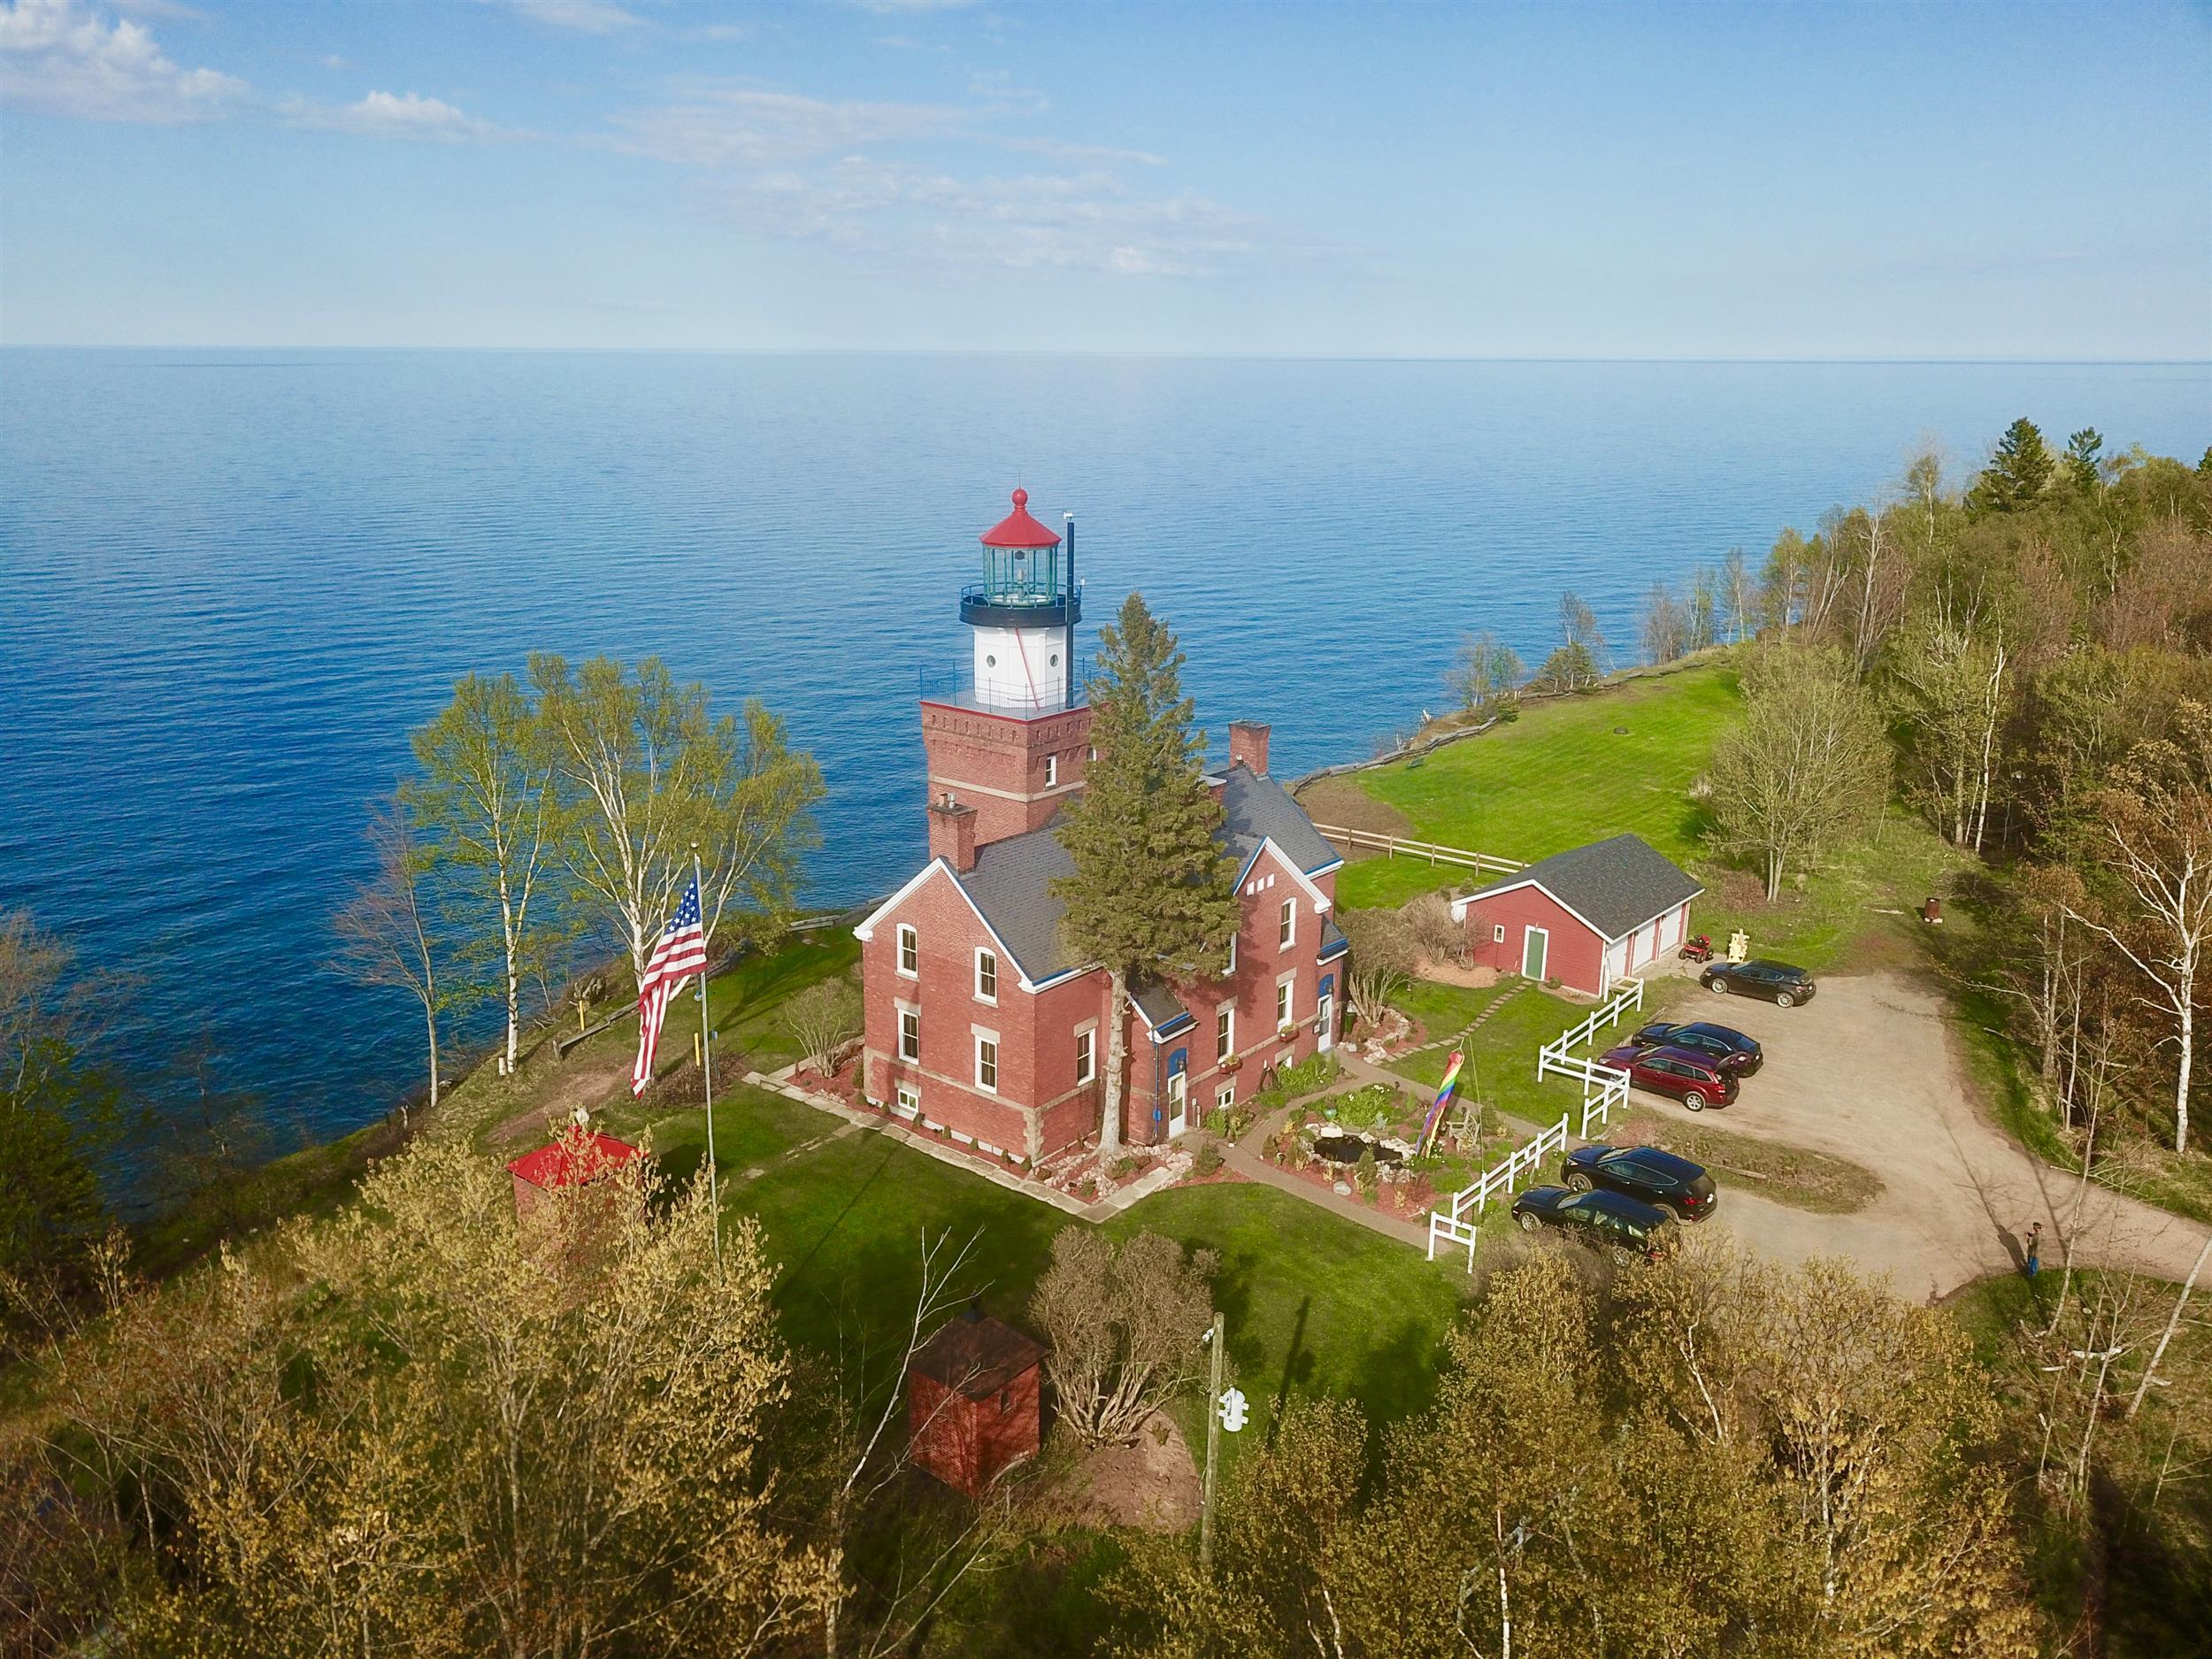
719,123
60,56
908,8
587,17
1080,221
396,115
331,60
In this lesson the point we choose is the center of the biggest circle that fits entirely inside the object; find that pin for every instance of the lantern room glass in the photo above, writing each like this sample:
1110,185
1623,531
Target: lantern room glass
1023,576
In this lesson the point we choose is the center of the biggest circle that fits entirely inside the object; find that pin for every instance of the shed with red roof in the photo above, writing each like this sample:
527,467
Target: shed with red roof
571,1161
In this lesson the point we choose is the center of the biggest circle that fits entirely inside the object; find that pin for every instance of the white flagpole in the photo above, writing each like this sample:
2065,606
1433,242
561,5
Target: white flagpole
706,1060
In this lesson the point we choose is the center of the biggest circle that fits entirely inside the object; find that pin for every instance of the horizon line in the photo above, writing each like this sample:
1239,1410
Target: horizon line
1188,356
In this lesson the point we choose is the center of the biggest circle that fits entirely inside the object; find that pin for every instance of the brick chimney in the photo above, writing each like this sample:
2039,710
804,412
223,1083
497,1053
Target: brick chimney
1248,743
952,833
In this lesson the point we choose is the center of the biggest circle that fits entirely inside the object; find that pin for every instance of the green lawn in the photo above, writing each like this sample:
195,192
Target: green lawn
1502,1056
1315,1305
1557,777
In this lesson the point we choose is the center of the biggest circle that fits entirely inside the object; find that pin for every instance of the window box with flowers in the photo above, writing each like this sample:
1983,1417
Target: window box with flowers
1288,1031
1231,1062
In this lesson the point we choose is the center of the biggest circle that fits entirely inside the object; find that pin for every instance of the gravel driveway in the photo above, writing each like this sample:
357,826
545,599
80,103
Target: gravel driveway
1869,1070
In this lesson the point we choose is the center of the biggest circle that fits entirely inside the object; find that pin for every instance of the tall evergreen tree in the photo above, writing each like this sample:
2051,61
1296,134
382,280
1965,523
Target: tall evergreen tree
1154,891
2018,473
2082,450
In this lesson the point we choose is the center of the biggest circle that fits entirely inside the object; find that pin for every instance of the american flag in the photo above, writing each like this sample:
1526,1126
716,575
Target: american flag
681,953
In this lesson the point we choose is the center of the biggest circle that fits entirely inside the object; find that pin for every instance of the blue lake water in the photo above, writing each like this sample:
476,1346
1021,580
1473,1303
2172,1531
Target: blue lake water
231,582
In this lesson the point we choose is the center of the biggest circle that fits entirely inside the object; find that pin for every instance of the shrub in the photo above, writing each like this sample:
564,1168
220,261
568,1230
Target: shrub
1363,1172
1086,1189
1123,1167
1207,1159
1435,935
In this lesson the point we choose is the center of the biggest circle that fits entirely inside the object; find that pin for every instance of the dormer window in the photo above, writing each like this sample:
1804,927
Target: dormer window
909,952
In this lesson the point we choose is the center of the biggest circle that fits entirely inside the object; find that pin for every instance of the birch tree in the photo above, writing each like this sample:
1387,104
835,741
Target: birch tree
485,796
1950,687
1805,769
643,769
2156,831
1154,891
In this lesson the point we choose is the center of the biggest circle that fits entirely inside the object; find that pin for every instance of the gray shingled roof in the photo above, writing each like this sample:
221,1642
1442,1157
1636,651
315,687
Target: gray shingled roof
1161,1008
1616,885
1011,883
1259,808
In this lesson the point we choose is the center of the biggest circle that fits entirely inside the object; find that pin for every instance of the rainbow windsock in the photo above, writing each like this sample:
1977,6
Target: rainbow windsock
1436,1112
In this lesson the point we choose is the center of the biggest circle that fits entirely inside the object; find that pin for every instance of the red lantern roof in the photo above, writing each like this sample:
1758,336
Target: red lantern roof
1019,529
555,1165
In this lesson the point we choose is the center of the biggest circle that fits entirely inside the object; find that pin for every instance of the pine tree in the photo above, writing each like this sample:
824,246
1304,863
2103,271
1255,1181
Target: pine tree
2017,474
1153,894
2082,452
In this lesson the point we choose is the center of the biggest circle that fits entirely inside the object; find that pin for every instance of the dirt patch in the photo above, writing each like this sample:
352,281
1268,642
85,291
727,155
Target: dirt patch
589,1087
1150,1482
1342,802
1449,972
1789,1175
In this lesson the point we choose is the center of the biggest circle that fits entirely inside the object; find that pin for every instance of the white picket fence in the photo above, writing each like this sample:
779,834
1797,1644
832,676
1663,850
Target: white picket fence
1452,1225
1603,1087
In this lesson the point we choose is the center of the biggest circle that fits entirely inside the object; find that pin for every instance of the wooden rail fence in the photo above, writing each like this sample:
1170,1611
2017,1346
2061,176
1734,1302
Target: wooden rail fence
1403,846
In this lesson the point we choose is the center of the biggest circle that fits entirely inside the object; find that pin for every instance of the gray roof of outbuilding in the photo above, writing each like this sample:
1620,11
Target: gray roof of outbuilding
1011,883
1616,885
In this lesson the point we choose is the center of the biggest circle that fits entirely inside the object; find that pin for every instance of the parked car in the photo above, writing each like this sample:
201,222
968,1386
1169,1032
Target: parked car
1696,1079
1735,1051
1624,1228
1778,982
1660,1179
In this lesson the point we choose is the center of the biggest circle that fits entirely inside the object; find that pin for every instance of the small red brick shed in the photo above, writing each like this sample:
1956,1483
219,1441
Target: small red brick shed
975,1401
569,1162
1587,917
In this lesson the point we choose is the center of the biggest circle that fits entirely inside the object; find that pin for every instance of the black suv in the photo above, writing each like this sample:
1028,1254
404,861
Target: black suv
1735,1051
1624,1228
1658,1178
1778,982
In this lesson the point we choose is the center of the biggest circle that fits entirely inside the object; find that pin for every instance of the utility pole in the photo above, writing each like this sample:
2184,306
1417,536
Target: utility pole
1213,1450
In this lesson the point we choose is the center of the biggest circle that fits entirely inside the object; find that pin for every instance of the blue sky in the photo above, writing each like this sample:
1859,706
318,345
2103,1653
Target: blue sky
1865,180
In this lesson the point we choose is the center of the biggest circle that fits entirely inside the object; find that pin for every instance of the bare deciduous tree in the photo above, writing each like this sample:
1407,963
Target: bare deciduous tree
2156,827
385,935
1125,1327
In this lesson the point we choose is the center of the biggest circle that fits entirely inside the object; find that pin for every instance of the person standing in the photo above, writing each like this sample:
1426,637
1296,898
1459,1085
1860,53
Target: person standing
2034,1248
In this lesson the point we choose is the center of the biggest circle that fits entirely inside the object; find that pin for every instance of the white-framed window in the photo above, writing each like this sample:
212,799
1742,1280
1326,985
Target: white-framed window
1286,928
909,1100
986,1062
909,1033
1224,1031
909,952
1282,1001
1226,1096
1497,933
986,976
1085,1054
1052,771
1232,954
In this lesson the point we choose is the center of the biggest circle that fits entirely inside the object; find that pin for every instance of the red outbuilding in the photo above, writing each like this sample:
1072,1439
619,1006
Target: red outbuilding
974,1401
571,1161
1587,917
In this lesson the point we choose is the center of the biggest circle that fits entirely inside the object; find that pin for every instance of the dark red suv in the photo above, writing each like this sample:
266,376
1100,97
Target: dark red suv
1696,1079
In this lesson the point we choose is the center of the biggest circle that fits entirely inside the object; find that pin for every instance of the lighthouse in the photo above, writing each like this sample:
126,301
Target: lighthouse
1008,743
1023,613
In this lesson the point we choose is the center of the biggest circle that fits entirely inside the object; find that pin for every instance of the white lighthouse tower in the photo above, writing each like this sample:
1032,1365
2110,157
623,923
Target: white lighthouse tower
1022,614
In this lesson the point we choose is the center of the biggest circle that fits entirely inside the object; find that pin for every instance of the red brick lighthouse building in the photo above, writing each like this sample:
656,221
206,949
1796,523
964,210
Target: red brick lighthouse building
980,1020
